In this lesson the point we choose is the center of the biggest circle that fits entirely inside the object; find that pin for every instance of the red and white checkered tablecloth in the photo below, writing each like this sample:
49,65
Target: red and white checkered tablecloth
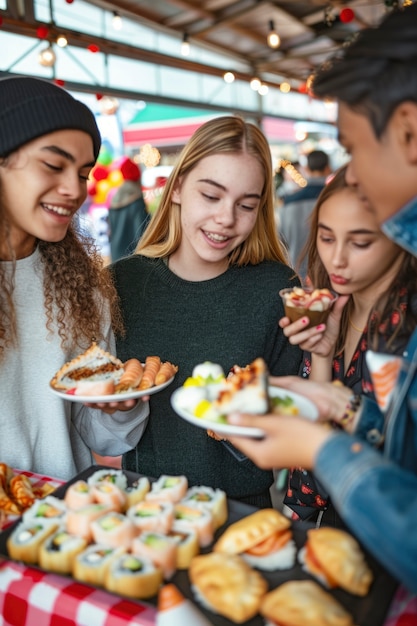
29,596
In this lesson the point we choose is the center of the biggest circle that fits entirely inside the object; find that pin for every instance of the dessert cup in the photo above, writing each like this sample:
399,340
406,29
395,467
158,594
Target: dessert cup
316,298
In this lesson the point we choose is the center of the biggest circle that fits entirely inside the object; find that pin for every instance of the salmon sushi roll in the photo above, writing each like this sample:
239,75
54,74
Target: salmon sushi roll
90,565
168,489
57,552
108,493
24,543
78,494
157,516
134,576
187,545
213,499
78,522
114,529
137,491
198,519
160,548
115,476
50,509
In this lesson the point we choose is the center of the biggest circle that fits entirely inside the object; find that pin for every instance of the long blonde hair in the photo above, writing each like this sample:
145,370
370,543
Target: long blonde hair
227,134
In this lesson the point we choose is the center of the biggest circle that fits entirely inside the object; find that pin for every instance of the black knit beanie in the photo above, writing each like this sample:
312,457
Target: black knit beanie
32,107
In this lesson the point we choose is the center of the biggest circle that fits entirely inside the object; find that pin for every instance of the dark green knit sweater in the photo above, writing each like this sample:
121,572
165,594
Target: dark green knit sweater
231,319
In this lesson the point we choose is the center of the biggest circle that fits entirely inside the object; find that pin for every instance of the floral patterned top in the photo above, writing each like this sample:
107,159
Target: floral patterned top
304,495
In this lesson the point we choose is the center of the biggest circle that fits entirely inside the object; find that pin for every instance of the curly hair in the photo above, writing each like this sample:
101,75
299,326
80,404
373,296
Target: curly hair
73,278
222,135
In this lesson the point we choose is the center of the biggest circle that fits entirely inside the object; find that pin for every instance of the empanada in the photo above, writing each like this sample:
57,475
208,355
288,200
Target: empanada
303,603
251,530
336,555
225,584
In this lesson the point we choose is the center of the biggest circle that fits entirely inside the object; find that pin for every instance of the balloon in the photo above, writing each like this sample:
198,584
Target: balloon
105,157
103,187
99,172
115,178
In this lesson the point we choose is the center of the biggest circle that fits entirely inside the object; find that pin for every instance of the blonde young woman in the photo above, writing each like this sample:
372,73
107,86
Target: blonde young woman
204,285
54,297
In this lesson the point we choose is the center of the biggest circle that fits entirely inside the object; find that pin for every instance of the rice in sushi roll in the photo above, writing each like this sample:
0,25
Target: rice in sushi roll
107,492
114,529
117,477
57,552
78,494
24,542
134,576
168,489
187,544
50,509
137,491
157,516
160,548
198,519
214,499
90,565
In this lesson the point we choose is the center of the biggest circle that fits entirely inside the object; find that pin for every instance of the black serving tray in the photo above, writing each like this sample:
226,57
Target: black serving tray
368,611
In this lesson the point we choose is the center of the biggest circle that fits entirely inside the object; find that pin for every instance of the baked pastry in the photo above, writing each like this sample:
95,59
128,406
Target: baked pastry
336,559
225,584
263,539
303,603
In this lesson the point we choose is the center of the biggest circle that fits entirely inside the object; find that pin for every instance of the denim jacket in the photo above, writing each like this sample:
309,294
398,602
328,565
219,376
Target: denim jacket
372,477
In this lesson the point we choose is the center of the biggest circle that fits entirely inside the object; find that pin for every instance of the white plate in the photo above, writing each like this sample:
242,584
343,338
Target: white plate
306,407
114,397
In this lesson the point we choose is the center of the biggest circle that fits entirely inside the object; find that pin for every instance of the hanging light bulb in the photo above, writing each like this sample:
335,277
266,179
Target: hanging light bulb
185,46
263,90
117,21
255,83
228,77
273,37
47,56
61,41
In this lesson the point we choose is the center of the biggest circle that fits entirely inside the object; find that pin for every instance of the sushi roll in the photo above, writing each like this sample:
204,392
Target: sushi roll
117,477
198,519
157,516
107,492
134,576
187,545
214,499
114,529
57,552
78,522
90,565
168,489
50,509
24,542
137,491
78,494
160,548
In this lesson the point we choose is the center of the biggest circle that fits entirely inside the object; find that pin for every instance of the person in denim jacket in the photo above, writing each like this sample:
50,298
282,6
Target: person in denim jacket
371,475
